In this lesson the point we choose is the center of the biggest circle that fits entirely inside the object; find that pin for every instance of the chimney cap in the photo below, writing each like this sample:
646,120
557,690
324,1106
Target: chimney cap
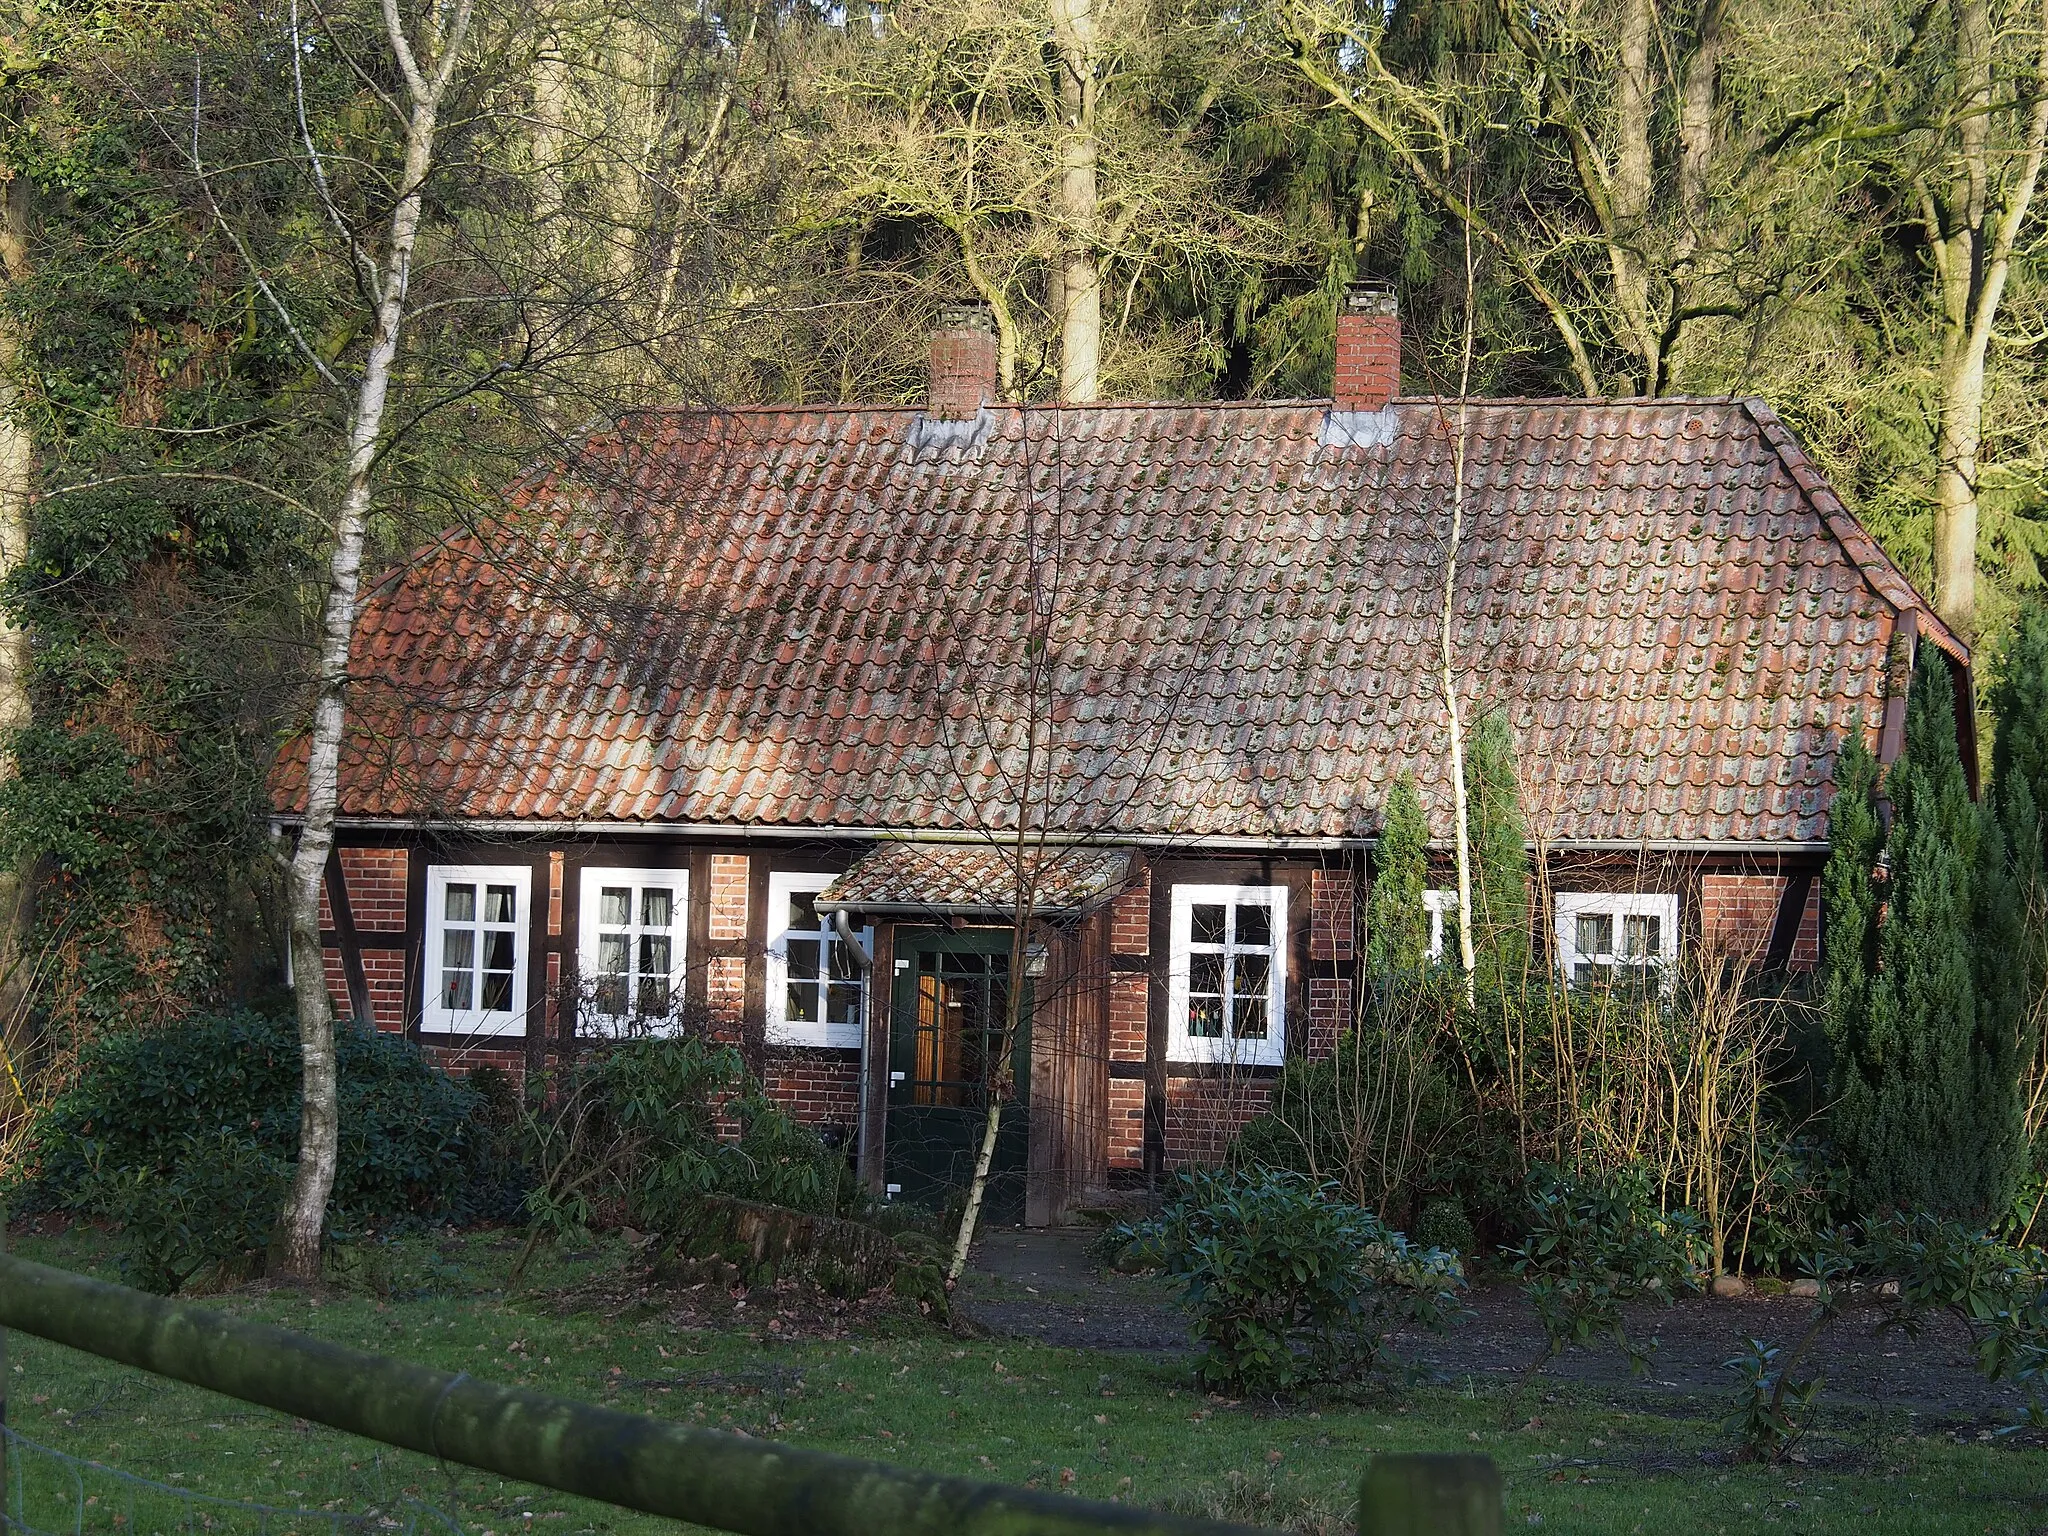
967,315
1371,296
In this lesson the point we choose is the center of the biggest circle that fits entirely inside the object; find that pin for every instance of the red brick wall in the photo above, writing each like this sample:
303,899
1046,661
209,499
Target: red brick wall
817,1088
1126,1122
726,975
337,980
384,970
1331,907
1130,997
1130,918
1739,912
460,1060
1329,1013
1204,1113
376,889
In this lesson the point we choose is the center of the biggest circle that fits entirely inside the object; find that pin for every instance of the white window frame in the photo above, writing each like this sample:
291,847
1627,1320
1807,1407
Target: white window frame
475,1021
1571,905
846,1035
1440,906
1226,1049
588,931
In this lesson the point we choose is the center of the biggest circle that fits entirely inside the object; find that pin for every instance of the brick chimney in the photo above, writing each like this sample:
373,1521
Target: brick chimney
1368,371
963,374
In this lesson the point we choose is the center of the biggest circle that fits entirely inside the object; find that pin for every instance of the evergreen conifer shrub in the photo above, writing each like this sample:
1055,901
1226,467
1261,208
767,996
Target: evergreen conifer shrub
1500,847
1396,920
1926,1076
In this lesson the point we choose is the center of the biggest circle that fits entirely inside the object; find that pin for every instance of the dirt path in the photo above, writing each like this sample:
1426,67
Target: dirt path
1043,1285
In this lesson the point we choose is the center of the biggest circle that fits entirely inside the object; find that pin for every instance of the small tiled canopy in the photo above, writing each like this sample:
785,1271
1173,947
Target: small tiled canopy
977,879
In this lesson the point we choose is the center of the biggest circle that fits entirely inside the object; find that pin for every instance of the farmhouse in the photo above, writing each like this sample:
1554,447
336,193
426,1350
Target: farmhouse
781,719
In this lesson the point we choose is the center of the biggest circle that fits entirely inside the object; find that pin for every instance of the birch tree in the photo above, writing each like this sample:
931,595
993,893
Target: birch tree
427,53
17,486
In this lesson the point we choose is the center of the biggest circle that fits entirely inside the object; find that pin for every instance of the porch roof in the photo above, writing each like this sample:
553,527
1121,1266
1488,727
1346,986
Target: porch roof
976,879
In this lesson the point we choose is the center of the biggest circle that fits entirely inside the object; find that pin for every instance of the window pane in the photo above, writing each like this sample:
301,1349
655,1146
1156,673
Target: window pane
612,954
497,992
802,914
1205,925
611,996
654,952
1642,937
498,951
840,959
1255,925
498,904
458,949
802,957
1248,1016
1594,933
1592,975
1205,1018
461,904
1252,975
455,991
842,1003
801,1004
1205,975
654,993
615,906
654,907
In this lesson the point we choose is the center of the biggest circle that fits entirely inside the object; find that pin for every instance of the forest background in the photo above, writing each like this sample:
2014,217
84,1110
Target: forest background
1828,205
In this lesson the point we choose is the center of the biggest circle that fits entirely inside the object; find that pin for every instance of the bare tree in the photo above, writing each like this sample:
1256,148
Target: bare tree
1972,168
427,54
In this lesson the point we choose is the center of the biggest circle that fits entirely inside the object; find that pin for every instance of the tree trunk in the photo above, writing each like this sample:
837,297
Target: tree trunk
1073,24
298,1242
1634,101
971,1217
17,484
1955,508
1960,262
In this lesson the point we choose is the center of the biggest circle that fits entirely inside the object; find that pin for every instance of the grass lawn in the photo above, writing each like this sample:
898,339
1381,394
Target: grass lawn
901,1390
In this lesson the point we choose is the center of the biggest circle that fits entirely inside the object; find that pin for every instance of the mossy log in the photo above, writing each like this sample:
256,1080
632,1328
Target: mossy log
766,1243
729,1482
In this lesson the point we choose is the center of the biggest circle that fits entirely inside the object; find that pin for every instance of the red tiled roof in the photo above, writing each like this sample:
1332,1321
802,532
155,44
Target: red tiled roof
821,618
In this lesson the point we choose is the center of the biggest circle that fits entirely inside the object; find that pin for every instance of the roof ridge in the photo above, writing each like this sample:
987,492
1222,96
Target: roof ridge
1884,576
1302,402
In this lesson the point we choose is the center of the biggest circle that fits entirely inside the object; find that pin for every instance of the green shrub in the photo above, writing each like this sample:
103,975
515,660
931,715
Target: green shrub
143,1101
211,1213
1799,1191
630,1133
1381,1116
1597,1242
1442,1223
1291,1284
